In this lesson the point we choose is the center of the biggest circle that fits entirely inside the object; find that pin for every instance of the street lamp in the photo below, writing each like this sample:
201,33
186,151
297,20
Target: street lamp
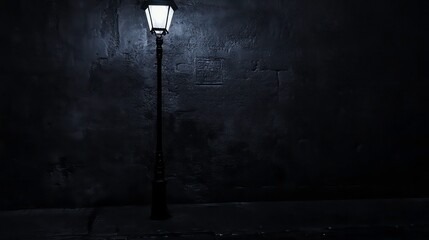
159,14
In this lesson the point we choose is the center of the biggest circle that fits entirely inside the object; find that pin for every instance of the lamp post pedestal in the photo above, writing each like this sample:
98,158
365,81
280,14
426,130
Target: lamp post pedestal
159,196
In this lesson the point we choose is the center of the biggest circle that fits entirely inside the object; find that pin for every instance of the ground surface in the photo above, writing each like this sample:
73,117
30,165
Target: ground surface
357,219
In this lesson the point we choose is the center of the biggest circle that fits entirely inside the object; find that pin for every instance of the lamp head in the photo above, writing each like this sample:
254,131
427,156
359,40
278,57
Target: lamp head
159,14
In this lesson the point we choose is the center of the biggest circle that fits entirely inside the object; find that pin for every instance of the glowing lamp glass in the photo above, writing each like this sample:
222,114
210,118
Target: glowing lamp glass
159,15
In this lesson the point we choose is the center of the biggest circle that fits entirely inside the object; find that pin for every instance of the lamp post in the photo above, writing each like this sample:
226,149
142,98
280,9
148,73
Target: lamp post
159,14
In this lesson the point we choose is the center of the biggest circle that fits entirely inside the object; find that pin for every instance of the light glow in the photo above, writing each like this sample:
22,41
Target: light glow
159,14
170,17
159,18
149,21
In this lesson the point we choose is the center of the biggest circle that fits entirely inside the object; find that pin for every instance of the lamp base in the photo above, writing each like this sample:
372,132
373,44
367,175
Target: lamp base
159,202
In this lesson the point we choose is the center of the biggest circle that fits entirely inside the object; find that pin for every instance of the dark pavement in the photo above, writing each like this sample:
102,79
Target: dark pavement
348,219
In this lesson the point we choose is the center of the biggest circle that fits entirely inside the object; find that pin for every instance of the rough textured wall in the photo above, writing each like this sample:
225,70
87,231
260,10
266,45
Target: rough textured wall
264,100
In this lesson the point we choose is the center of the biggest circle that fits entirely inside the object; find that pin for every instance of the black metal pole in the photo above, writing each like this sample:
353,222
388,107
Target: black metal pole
159,198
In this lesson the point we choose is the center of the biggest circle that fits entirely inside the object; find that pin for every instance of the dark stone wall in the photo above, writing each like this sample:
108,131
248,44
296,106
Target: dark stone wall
264,100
